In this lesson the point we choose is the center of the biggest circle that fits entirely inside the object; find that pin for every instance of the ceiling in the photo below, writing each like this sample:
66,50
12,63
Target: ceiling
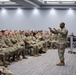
38,3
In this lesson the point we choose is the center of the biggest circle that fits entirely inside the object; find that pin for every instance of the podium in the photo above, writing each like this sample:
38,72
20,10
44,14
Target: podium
71,46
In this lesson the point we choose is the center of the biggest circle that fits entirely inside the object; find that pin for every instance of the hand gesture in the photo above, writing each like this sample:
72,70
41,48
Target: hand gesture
54,29
50,29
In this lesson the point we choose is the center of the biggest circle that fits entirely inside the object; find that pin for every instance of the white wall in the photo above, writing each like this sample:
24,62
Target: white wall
37,19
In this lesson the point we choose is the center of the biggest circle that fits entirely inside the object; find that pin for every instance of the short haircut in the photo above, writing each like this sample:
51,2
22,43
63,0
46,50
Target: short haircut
63,23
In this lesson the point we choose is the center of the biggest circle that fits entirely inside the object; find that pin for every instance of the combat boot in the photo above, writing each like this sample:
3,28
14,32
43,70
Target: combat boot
62,63
24,57
43,50
35,55
6,63
38,54
9,60
50,47
14,59
18,58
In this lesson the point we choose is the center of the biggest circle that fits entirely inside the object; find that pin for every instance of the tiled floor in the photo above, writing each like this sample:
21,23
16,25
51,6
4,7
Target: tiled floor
45,65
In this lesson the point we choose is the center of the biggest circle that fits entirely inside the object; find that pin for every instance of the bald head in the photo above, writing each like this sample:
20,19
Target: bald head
62,25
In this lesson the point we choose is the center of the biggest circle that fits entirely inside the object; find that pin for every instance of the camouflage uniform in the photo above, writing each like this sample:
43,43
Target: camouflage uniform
20,45
4,50
53,41
61,41
46,39
62,35
5,71
20,39
12,48
38,40
30,42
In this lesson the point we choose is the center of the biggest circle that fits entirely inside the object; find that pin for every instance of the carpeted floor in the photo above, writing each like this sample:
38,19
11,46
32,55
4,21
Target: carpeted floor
45,64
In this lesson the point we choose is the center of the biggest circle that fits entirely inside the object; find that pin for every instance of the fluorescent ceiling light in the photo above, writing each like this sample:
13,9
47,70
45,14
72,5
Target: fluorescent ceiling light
4,0
7,2
59,0
68,2
52,2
